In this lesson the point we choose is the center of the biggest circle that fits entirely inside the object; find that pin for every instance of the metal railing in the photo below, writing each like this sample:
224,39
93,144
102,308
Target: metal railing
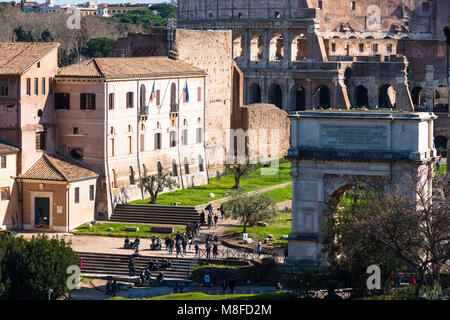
237,254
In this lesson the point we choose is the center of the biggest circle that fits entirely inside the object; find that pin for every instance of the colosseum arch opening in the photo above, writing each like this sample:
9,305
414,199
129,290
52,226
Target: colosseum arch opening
239,47
254,94
276,47
387,97
298,98
298,48
440,98
418,96
322,97
256,48
276,95
361,96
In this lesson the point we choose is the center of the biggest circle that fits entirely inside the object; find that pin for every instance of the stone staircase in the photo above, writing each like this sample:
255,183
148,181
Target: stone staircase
117,265
271,275
161,215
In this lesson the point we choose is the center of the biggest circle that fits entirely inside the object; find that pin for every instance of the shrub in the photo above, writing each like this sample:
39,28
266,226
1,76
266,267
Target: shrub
29,268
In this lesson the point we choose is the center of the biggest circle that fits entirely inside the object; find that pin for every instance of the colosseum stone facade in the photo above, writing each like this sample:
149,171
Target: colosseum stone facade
301,54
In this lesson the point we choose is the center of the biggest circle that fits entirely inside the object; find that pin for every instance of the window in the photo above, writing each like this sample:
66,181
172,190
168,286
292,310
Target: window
184,137
186,166
36,86
173,98
130,99
361,47
87,101
38,64
74,130
130,144
319,4
111,101
28,87
4,193
333,47
77,154
142,96
160,168
199,94
352,5
43,86
132,175
158,97
375,47
199,135
4,88
277,14
174,168
40,140
3,161
50,85
91,192
112,147
77,195
200,164
142,141
425,7
62,100
389,48
157,141
173,139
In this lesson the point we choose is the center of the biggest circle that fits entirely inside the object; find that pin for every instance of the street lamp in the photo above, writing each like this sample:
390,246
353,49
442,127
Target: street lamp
49,293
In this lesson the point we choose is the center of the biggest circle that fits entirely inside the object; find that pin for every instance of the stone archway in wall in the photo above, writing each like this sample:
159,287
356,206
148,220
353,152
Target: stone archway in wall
332,151
254,94
276,95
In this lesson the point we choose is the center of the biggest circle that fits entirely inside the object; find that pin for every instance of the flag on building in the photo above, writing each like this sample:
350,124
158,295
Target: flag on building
153,95
186,91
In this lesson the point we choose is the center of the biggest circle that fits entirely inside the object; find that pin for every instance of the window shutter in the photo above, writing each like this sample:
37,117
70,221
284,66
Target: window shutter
142,142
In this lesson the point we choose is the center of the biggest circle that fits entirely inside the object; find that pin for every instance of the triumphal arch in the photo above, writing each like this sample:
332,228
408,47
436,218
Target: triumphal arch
333,149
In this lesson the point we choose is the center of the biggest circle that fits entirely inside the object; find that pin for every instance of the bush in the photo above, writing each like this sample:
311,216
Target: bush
30,268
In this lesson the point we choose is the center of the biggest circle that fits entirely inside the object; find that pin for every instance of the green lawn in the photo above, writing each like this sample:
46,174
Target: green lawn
202,296
119,230
281,225
442,169
200,195
279,195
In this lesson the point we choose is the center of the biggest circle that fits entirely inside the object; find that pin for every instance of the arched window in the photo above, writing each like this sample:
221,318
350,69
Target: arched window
114,179
39,114
132,175
112,131
200,164
174,168
142,96
77,154
160,168
186,166
276,95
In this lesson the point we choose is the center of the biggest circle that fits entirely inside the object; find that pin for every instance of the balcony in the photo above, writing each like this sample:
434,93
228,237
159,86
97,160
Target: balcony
143,113
174,110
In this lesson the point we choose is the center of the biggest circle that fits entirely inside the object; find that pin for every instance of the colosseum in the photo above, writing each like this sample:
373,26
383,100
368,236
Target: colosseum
304,54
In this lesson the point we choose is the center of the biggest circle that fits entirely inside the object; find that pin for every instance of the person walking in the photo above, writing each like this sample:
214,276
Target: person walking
215,220
184,244
171,245
209,220
224,286
259,248
197,249
215,250
222,211
208,250
178,248
232,285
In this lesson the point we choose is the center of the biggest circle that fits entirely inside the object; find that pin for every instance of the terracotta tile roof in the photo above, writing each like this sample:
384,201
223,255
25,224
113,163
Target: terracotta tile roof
6,148
129,68
57,168
17,57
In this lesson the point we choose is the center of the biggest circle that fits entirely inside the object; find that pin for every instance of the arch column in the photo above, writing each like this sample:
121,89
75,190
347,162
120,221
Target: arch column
309,94
287,38
266,49
286,98
247,48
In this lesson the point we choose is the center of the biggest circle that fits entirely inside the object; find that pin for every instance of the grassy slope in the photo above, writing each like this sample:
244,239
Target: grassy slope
221,189
119,230
281,225
202,296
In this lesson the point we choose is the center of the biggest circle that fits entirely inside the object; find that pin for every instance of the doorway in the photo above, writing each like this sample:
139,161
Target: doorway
42,212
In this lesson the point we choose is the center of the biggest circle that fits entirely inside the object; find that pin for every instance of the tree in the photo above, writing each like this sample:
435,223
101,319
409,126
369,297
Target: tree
250,209
23,36
391,227
447,33
155,184
239,171
29,268
99,48
165,10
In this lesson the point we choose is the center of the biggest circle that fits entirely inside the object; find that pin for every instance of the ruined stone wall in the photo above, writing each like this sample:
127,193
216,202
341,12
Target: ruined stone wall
142,45
212,52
